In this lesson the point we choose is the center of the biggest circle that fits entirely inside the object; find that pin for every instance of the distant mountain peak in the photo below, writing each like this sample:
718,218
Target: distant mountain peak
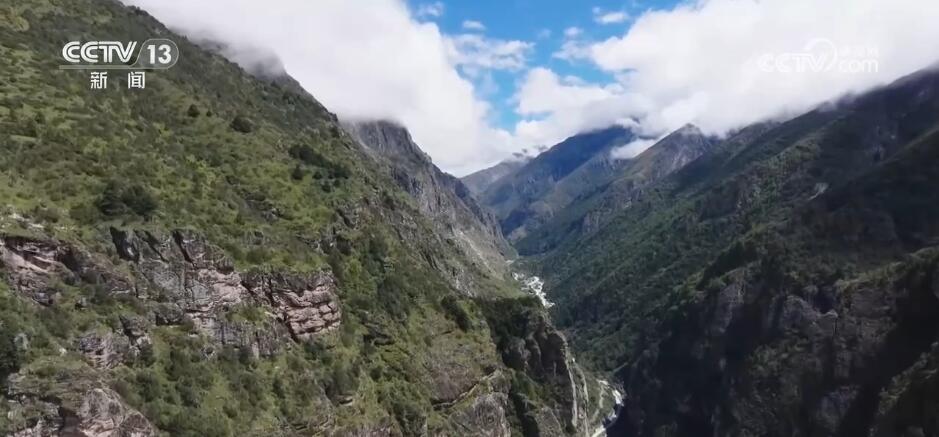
688,129
443,198
385,137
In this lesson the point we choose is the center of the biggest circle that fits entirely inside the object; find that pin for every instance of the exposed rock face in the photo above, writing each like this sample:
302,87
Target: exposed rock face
97,412
590,196
475,405
194,280
105,351
440,196
531,346
484,416
183,267
524,199
195,277
103,414
30,265
820,361
307,305
542,353
203,285
479,181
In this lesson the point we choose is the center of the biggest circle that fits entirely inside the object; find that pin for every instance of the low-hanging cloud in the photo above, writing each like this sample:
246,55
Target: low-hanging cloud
557,107
719,64
723,64
632,149
365,59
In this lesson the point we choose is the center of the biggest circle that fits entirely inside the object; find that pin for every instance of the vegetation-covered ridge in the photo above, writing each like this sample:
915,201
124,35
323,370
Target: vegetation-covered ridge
213,255
781,284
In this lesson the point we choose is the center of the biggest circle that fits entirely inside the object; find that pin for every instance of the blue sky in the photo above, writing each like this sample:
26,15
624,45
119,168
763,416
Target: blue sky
473,97
543,23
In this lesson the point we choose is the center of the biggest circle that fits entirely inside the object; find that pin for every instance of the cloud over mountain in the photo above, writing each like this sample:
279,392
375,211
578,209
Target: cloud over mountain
366,59
718,64
722,64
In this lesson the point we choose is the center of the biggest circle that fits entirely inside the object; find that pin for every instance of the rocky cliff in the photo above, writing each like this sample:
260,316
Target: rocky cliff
605,185
440,196
214,256
479,181
522,199
781,284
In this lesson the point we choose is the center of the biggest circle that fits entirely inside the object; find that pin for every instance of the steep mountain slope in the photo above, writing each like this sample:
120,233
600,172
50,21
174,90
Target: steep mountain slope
524,336
520,200
782,284
822,325
214,256
479,181
614,186
440,196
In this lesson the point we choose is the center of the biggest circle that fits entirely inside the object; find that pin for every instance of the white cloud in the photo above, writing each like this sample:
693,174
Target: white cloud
544,34
609,17
362,59
573,32
434,9
573,50
632,150
703,62
709,62
475,53
473,25
556,108
722,64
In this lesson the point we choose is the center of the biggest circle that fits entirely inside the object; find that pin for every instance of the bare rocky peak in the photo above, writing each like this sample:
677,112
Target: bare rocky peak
443,198
388,139
479,181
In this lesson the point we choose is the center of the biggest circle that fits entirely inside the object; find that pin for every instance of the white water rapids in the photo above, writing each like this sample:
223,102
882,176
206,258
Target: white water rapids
533,285
607,396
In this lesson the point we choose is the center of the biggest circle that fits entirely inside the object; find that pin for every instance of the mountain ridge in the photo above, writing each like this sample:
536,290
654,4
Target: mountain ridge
611,192
214,256
517,198
443,197
740,293
480,180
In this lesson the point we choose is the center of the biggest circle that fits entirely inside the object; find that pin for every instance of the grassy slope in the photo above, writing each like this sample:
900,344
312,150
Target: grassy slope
613,287
68,151
525,197
606,193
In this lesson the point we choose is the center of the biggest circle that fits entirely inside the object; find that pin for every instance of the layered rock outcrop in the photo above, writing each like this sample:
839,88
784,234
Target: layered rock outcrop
307,305
843,359
201,281
92,411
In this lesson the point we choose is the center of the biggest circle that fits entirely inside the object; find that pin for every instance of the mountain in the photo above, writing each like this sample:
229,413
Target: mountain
784,283
523,333
479,181
599,189
521,199
442,197
214,255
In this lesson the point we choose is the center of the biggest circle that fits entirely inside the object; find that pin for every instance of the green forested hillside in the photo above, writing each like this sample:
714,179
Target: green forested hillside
752,180
525,198
608,193
213,255
772,286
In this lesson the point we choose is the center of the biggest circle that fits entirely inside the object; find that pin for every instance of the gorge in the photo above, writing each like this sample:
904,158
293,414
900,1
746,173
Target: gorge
219,254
